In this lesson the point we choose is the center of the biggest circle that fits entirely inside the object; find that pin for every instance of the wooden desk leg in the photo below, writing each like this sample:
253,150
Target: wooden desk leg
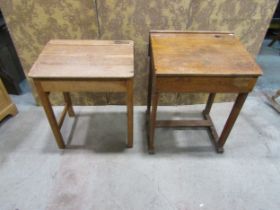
68,101
50,115
130,113
152,122
149,95
209,103
231,120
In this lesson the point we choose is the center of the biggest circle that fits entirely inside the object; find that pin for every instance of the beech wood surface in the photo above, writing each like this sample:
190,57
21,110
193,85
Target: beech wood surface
85,59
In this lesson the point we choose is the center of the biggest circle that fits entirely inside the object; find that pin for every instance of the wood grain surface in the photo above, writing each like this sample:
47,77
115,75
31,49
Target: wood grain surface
196,54
85,59
6,105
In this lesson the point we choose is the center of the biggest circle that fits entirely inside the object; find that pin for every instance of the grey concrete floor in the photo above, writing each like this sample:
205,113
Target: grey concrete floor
96,171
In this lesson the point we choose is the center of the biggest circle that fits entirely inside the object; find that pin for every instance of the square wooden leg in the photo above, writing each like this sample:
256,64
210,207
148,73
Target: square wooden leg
209,104
50,114
69,105
241,98
152,123
130,113
149,95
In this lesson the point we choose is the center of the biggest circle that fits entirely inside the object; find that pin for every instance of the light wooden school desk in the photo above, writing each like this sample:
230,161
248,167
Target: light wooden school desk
84,65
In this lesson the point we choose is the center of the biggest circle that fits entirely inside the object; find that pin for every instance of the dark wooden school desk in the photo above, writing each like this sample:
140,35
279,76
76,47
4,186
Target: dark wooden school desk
205,62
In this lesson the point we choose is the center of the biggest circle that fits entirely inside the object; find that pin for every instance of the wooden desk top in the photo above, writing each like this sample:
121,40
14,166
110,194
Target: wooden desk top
201,54
85,59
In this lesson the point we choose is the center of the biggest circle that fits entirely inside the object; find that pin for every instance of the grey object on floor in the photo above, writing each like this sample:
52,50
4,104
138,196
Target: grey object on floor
269,60
98,172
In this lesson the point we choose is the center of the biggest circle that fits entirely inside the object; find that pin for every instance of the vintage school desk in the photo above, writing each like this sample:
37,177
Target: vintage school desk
84,65
205,62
